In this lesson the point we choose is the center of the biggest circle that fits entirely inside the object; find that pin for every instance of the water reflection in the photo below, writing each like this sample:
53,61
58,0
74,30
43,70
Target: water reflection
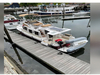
63,24
49,20
88,35
89,23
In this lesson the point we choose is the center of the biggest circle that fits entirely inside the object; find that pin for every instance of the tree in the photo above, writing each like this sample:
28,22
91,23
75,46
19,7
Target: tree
23,4
6,3
28,4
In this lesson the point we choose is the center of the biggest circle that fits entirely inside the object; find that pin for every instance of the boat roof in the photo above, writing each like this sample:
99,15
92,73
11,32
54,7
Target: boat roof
22,15
55,30
52,29
37,24
46,25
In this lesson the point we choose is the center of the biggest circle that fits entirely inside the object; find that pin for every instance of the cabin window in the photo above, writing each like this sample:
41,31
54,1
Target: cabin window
46,31
50,36
36,33
30,31
25,28
67,9
11,23
12,19
18,22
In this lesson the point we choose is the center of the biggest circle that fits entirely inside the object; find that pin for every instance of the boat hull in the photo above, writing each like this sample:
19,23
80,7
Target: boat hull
46,13
12,25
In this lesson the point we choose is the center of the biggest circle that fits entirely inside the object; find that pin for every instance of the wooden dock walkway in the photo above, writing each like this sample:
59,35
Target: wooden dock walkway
63,63
75,18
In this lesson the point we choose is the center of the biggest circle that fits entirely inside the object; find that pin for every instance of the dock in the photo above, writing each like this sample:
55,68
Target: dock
76,18
63,64
52,15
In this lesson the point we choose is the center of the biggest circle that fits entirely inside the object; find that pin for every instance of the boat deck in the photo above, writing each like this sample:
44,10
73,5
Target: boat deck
63,63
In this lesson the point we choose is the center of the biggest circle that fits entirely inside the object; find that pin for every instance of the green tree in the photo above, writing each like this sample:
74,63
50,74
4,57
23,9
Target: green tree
6,3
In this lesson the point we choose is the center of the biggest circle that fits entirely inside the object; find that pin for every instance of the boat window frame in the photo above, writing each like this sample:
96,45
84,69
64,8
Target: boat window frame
35,33
25,27
67,9
29,31
50,35
46,31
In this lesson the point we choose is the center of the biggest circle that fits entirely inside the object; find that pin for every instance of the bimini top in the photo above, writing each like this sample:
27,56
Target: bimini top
22,15
56,30
37,24
46,25
25,24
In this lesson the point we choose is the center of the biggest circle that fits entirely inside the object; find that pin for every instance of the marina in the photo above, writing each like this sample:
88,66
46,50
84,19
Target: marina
49,56
34,56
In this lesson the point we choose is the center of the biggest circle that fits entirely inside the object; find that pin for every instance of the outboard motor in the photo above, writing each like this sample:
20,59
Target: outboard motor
59,41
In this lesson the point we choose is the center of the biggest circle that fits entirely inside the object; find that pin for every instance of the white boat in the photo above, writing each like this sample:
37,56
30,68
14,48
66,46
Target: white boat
52,36
11,21
19,12
81,13
54,10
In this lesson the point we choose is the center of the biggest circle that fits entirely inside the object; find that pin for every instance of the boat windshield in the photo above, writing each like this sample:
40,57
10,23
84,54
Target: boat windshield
67,33
56,31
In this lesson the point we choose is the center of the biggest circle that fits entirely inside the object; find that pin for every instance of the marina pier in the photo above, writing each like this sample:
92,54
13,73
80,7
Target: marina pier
60,64
75,18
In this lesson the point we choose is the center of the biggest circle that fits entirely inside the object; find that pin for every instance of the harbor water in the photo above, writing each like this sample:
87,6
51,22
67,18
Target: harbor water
79,28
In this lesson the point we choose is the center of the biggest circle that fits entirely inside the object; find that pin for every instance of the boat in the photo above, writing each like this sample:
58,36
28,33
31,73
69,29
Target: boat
53,36
81,13
51,10
11,21
19,12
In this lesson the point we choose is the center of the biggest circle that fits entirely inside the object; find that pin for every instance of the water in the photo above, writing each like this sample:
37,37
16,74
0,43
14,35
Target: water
78,29
29,64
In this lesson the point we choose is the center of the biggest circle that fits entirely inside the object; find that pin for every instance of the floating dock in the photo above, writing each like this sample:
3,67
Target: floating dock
52,15
63,64
75,18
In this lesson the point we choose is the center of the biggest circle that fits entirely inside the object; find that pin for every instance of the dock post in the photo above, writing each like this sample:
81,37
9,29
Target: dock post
63,10
6,32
